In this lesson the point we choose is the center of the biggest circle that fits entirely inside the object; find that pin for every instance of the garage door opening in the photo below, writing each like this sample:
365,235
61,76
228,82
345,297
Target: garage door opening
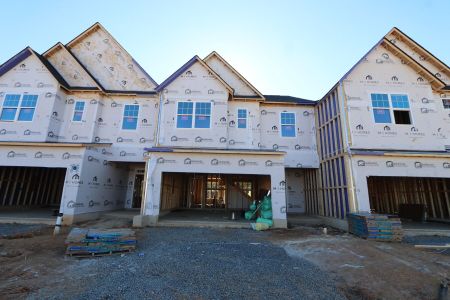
31,191
413,198
210,196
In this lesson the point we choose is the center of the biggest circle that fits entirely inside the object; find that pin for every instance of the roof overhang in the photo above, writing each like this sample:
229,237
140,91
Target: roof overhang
435,82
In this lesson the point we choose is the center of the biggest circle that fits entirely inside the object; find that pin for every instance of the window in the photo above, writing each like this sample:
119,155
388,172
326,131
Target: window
202,114
184,114
382,108
380,104
242,118
400,105
130,117
446,103
11,107
78,112
287,124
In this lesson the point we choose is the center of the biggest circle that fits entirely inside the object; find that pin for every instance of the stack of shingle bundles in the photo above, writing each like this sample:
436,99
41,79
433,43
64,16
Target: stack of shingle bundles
375,226
92,242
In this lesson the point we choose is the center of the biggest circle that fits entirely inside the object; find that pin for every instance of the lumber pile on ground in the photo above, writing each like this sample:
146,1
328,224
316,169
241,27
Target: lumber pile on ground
83,242
375,226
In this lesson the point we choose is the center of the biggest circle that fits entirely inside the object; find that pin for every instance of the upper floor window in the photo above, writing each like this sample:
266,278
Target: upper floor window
18,107
380,104
242,118
78,111
184,114
446,103
400,105
382,108
288,124
130,117
201,115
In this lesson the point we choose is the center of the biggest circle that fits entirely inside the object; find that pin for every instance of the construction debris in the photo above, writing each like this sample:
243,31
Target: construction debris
375,226
97,242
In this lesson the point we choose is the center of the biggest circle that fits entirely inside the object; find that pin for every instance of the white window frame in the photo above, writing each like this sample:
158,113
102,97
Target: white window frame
447,100
194,114
177,114
295,125
123,117
391,108
82,111
19,107
237,117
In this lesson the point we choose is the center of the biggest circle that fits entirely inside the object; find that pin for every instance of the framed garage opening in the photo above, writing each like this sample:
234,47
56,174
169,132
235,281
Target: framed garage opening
409,196
211,191
31,187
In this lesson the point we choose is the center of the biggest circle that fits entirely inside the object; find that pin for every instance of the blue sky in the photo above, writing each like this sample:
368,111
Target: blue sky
298,48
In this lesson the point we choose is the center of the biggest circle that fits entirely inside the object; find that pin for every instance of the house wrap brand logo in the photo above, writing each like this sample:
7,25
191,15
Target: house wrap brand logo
270,163
363,163
391,164
178,139
12,154
189,161
5,132
29,132
216,162
92,203
244,162
107,203
124,153
73,204
162,160
39,154
446,165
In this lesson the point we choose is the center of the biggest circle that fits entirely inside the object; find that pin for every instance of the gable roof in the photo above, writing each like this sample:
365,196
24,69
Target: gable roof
97,26
215,54
420,69
186,66
60,45
289,99
419,49
436,82
25,53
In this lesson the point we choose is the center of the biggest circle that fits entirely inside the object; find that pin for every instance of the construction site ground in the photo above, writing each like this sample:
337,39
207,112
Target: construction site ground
300,262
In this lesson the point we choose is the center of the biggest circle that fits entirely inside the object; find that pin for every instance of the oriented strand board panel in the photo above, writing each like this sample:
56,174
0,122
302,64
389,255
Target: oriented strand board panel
69,68
229,76
380,72
109,63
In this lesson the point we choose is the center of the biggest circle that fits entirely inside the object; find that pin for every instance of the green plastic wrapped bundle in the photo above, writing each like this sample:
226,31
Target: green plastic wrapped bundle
253,206
266,214
249,215
265,221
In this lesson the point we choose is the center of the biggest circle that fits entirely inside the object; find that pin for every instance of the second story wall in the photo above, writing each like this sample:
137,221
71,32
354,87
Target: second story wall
194,86
390,106
300,143
27,97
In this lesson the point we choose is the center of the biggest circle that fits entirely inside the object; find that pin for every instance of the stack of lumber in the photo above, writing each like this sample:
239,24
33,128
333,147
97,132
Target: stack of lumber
375,226
96,242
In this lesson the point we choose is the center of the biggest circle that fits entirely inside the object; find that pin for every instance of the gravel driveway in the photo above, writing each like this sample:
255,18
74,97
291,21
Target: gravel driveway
194,263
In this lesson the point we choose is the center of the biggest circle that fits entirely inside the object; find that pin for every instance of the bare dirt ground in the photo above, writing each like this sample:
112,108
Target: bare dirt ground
360,269
368,269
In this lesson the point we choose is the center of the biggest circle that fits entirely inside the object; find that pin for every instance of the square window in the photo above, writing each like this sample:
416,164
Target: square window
402,117
380,100
382,115
26,114
399,101
8,114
